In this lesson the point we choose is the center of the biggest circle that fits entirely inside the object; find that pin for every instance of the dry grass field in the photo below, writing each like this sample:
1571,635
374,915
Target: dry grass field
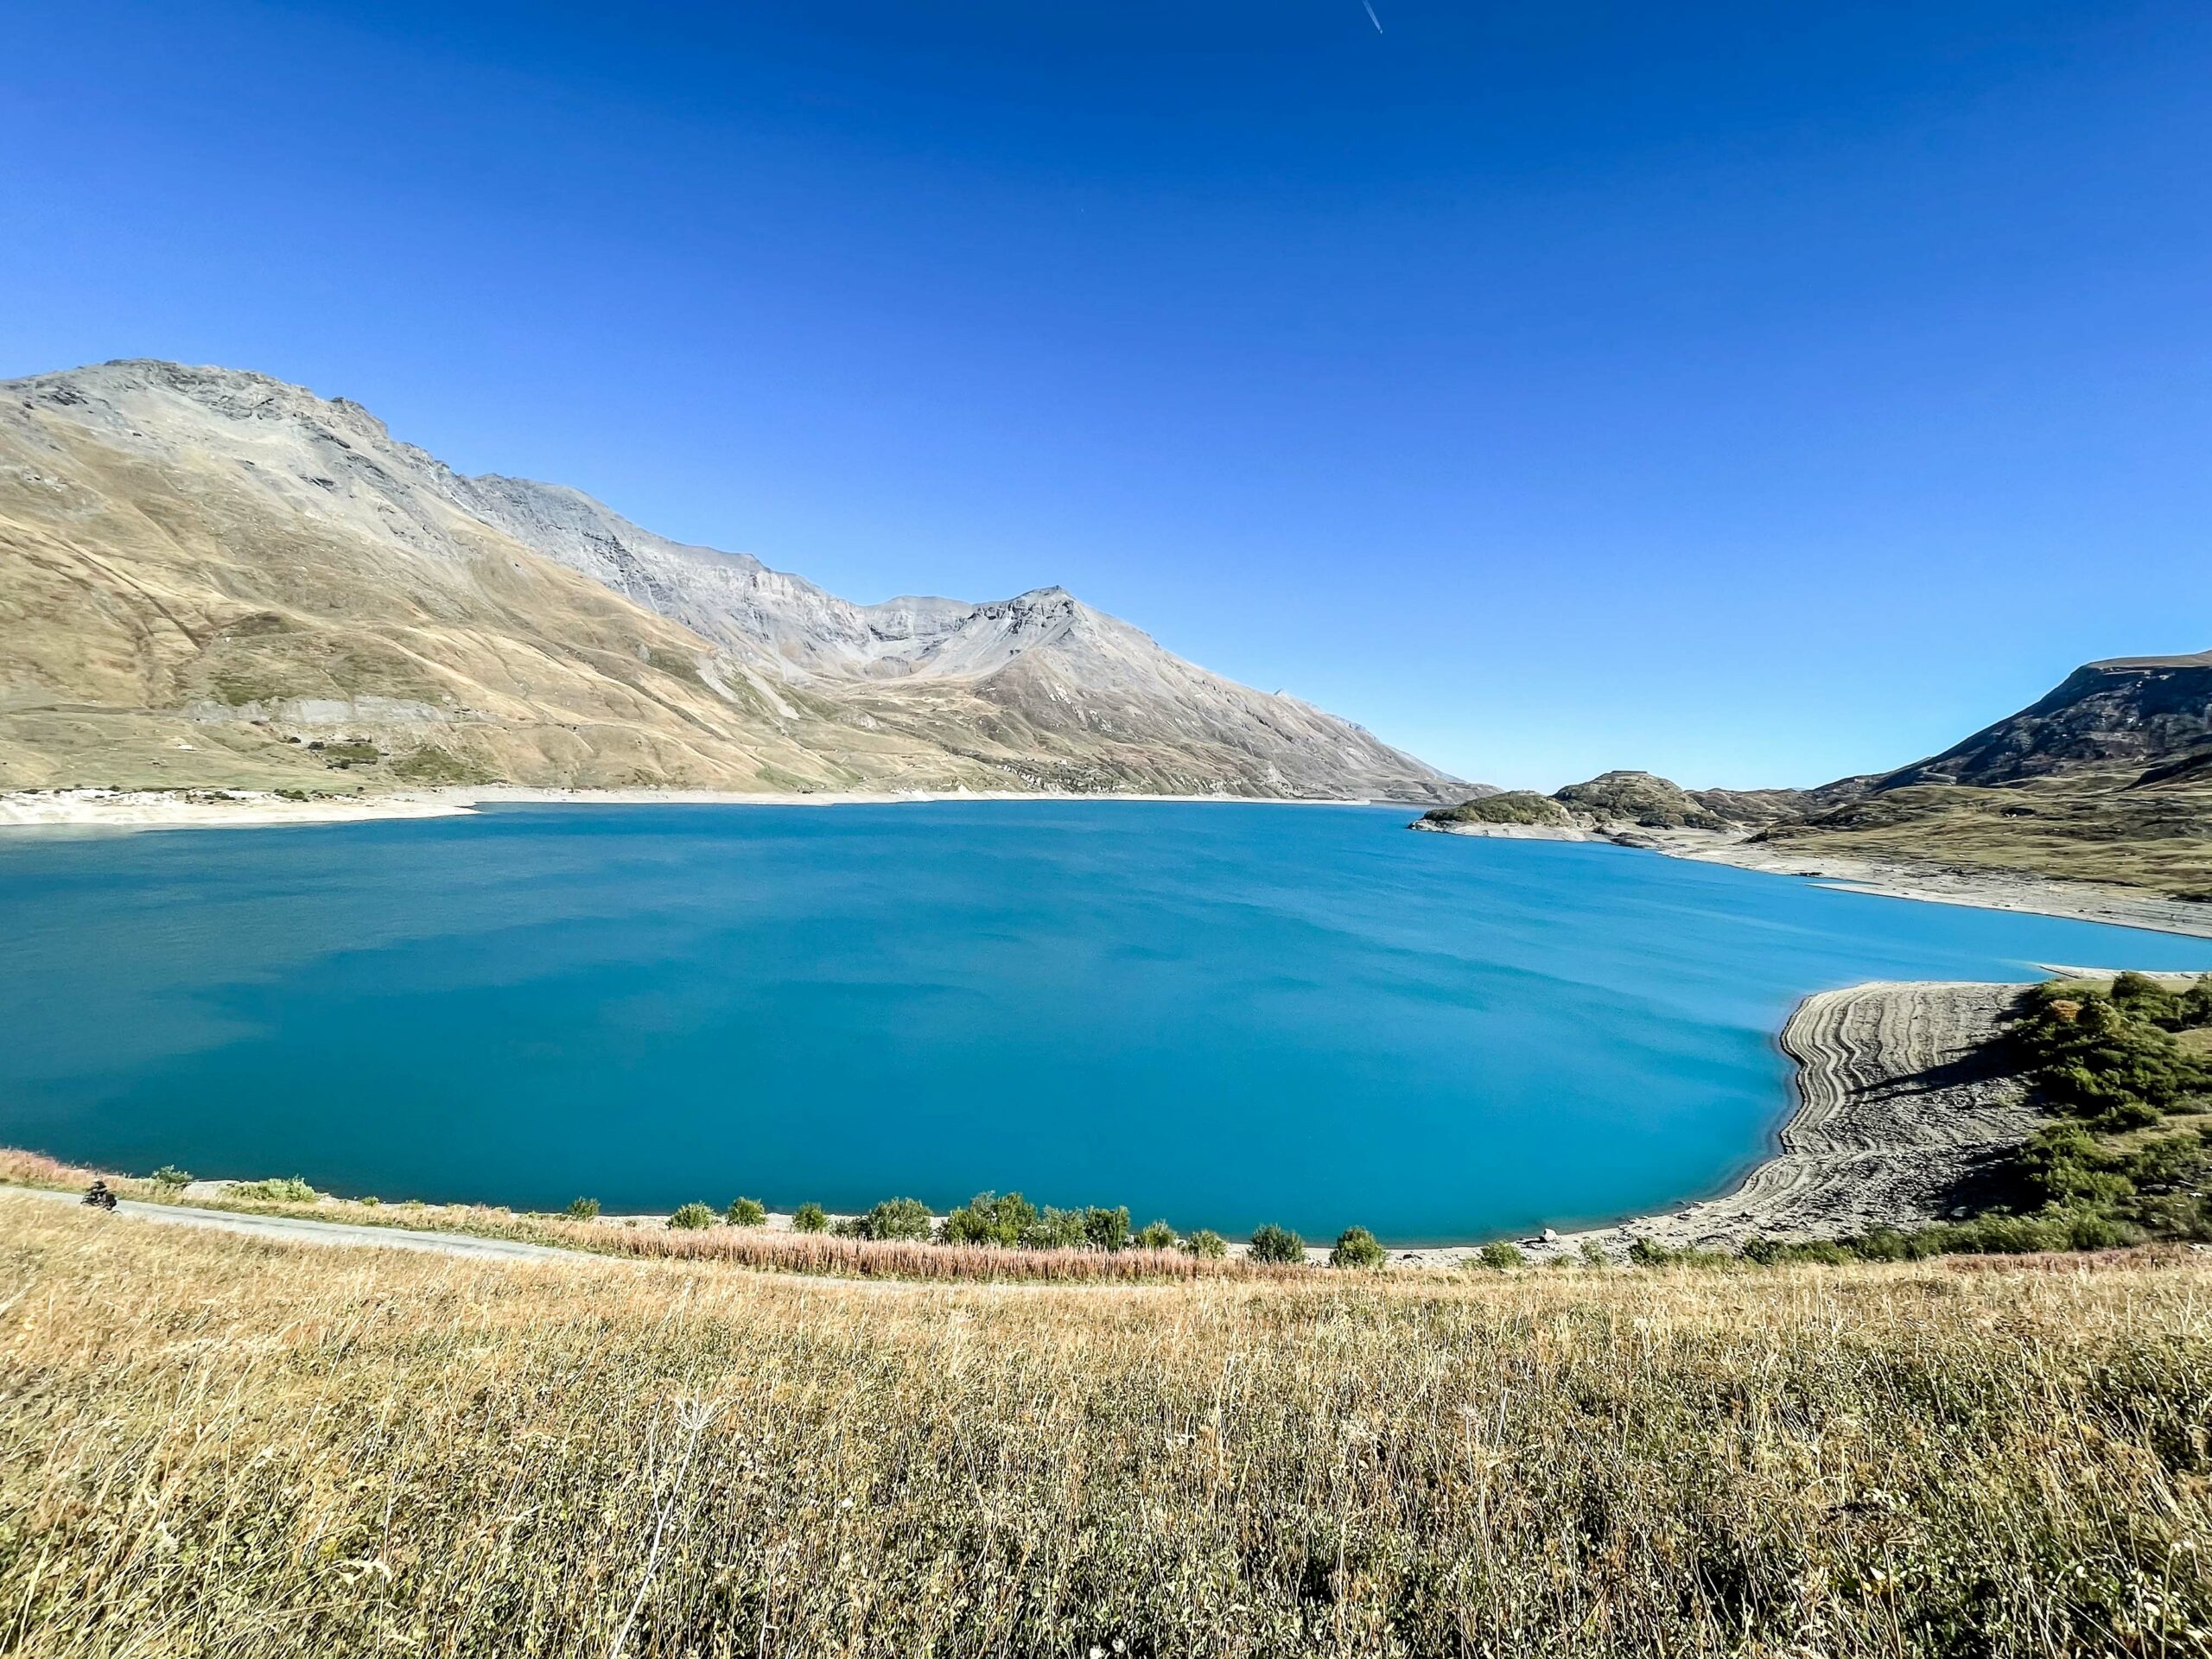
209,1445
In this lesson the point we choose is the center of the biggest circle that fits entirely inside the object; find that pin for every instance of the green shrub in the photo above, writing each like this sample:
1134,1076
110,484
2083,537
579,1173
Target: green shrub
168,1176
280,1189
1594,1254
1356,1247
1825,1251
582,1210
908,1219
1881,1245
1499,1254
746,1213
1154,1235
1206,1244
1277,1244
691,1218
1106,1229
1056,1229
987,1218
809,1217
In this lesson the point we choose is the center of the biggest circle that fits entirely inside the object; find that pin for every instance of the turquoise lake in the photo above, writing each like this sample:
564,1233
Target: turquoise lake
1217,1013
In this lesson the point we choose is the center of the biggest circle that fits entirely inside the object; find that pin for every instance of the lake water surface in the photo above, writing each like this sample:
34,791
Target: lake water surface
1217,1014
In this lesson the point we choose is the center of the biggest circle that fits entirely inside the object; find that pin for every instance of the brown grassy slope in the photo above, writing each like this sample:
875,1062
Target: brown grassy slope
2097,827
149,615
208,1445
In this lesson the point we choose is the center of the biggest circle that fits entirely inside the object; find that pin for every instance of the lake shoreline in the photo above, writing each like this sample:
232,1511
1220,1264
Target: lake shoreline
102,810
1900,1104
2074,901
243,809
1901,1107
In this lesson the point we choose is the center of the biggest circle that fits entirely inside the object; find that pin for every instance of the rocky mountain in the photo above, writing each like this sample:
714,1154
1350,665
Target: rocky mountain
206,573
2131,714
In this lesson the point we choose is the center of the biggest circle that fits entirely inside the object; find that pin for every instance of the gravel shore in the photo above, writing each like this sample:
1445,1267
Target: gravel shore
1903,1106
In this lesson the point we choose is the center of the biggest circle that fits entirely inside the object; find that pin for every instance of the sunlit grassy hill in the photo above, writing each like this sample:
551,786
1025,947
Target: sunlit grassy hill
217,1446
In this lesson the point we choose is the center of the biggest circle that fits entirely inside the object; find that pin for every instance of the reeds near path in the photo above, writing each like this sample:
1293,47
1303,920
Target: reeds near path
212,1444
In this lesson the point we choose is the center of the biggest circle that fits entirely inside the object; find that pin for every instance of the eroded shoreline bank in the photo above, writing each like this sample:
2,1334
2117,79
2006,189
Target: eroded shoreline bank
1904,1105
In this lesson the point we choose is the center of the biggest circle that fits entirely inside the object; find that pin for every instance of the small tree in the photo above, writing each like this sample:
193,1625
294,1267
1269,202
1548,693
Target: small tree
583,1210
691,1218
1206,1244
1056,1229
987,1218
810,1218
1277,1244
1106,1229
746,1213
1500,1256
1155,1236
1356,1247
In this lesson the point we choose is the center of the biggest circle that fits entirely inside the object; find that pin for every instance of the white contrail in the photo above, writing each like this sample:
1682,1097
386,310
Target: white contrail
1371,17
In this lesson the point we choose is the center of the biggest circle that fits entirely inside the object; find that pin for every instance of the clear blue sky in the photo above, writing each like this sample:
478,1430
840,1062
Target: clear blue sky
1752,393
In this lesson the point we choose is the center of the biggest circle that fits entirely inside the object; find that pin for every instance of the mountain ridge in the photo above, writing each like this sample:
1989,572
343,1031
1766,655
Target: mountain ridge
205,549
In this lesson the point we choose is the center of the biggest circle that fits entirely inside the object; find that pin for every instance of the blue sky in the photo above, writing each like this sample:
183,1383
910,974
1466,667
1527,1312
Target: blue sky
1752,393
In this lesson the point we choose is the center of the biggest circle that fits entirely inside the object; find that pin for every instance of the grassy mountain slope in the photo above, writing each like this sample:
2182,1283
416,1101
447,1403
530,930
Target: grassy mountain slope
2106,779
198,565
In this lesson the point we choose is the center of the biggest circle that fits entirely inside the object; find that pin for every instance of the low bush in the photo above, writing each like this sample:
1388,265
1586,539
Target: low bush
1205,1244
1356,1247
582,1210
1154,1235
170,1177
809,1217
746,1213
987,1219
1500,1256
1056,1229
691,1218
906,1220
1107,1229
278,1189
1277,1244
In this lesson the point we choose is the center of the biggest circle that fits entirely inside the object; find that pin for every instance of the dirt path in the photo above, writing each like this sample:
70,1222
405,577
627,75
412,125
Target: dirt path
296,1231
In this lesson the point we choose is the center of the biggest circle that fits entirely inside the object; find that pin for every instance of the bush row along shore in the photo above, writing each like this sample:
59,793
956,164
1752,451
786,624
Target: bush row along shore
2124,1071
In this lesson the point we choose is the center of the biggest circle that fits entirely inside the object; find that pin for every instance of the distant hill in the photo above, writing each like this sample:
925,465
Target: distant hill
2107,780
205,572
2134,713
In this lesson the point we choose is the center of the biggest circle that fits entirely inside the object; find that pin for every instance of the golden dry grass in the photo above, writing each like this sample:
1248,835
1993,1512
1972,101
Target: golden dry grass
211,1445
745,1247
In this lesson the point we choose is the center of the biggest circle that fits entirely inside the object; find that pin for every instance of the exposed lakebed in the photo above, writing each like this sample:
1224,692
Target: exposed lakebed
1219,1013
